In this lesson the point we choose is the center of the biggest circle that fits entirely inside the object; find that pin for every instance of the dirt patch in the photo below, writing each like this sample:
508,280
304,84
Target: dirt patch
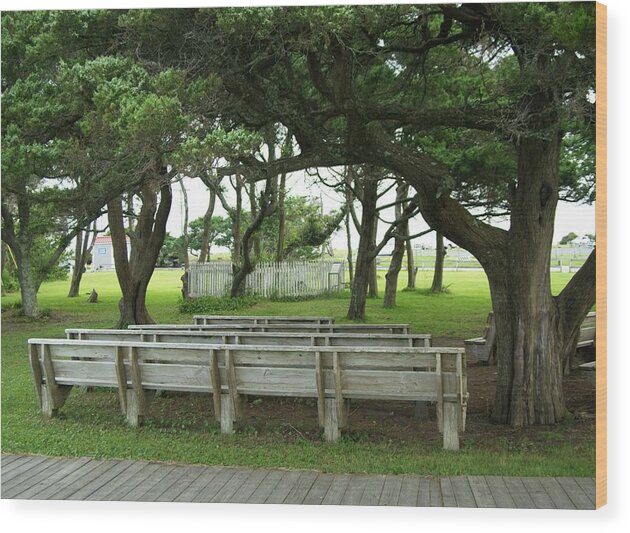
390,421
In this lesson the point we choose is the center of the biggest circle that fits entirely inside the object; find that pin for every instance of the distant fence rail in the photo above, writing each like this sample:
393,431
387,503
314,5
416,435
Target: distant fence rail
287,279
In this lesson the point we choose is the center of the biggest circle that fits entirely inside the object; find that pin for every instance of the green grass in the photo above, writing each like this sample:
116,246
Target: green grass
91,424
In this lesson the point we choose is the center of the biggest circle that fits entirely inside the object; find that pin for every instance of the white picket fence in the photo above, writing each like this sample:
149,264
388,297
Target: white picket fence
290,279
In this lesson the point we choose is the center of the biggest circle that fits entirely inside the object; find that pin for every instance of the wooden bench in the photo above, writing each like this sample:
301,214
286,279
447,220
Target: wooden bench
329,374
212,319
302,328
587,331
481,348
248,337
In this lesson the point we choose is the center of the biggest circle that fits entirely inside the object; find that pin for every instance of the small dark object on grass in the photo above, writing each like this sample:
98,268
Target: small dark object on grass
93,297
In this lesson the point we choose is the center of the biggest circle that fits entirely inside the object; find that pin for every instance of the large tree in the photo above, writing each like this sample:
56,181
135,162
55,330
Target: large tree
342,79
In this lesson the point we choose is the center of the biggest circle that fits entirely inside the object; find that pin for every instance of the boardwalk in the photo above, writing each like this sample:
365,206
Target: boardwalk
48,478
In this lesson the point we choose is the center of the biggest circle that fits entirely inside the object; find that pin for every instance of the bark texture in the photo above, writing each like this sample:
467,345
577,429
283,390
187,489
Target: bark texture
438,269
134,270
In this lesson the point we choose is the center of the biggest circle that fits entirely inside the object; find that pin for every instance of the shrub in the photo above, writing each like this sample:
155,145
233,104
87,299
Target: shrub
214,304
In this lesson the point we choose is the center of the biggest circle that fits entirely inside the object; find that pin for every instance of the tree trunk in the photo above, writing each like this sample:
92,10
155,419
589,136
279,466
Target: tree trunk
83,248
281,219
28,286
267,207
236,227
534,330
134,272
255,237
349,244
391,278
373,274
411,264
438,269
364,260
185,242
204,252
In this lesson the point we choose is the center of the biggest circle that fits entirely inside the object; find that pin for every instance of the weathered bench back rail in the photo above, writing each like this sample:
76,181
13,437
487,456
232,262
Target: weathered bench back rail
278,328
215,319
587,331
246,337
329,374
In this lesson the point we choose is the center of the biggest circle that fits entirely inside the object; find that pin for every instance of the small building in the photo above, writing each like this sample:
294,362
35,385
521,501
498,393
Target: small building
103,253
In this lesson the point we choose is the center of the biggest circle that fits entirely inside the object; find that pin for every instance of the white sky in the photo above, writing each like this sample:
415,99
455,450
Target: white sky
579,219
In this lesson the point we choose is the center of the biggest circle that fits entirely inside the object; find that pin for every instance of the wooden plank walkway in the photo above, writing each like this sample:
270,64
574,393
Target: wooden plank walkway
49,478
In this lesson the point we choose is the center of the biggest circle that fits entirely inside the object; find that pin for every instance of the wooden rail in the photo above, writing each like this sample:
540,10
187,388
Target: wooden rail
247,337
328,373
264,320
270,328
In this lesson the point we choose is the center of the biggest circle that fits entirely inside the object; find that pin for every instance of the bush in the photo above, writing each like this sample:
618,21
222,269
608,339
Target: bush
214,304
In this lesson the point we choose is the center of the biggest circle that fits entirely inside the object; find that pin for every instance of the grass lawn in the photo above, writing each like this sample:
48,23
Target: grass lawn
279,433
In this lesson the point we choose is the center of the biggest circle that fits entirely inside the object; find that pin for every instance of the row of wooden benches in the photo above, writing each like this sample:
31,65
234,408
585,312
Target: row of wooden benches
231,361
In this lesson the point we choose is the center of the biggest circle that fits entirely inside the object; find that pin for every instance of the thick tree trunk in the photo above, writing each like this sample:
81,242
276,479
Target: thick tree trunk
438,269
134,272
28,286
236,227
356,310
185,240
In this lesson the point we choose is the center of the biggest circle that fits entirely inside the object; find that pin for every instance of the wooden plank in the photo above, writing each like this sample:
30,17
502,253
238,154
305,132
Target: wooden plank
22,467
448,492
299,491
588,486
373,489
227,491
172,477
215,380
283,487
439,393
391,490
319,383
429,492
232,384
557,494
463,492
249,486
481,492
72,482
337,489
36,373
575,493
121,378
537,493
6,460
319,489
354,490
147,484
206,494
49,478
341,415
408,496
102,478
199,484
266,486
18,462
522,499
28,478
189,476
500,492
124,481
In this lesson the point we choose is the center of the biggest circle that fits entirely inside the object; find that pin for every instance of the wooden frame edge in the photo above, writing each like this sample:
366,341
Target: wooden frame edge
601,264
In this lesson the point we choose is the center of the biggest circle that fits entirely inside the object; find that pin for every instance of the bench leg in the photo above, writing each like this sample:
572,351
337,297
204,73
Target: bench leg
331,420
421,411
451,425
53,399
137,406
228,414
